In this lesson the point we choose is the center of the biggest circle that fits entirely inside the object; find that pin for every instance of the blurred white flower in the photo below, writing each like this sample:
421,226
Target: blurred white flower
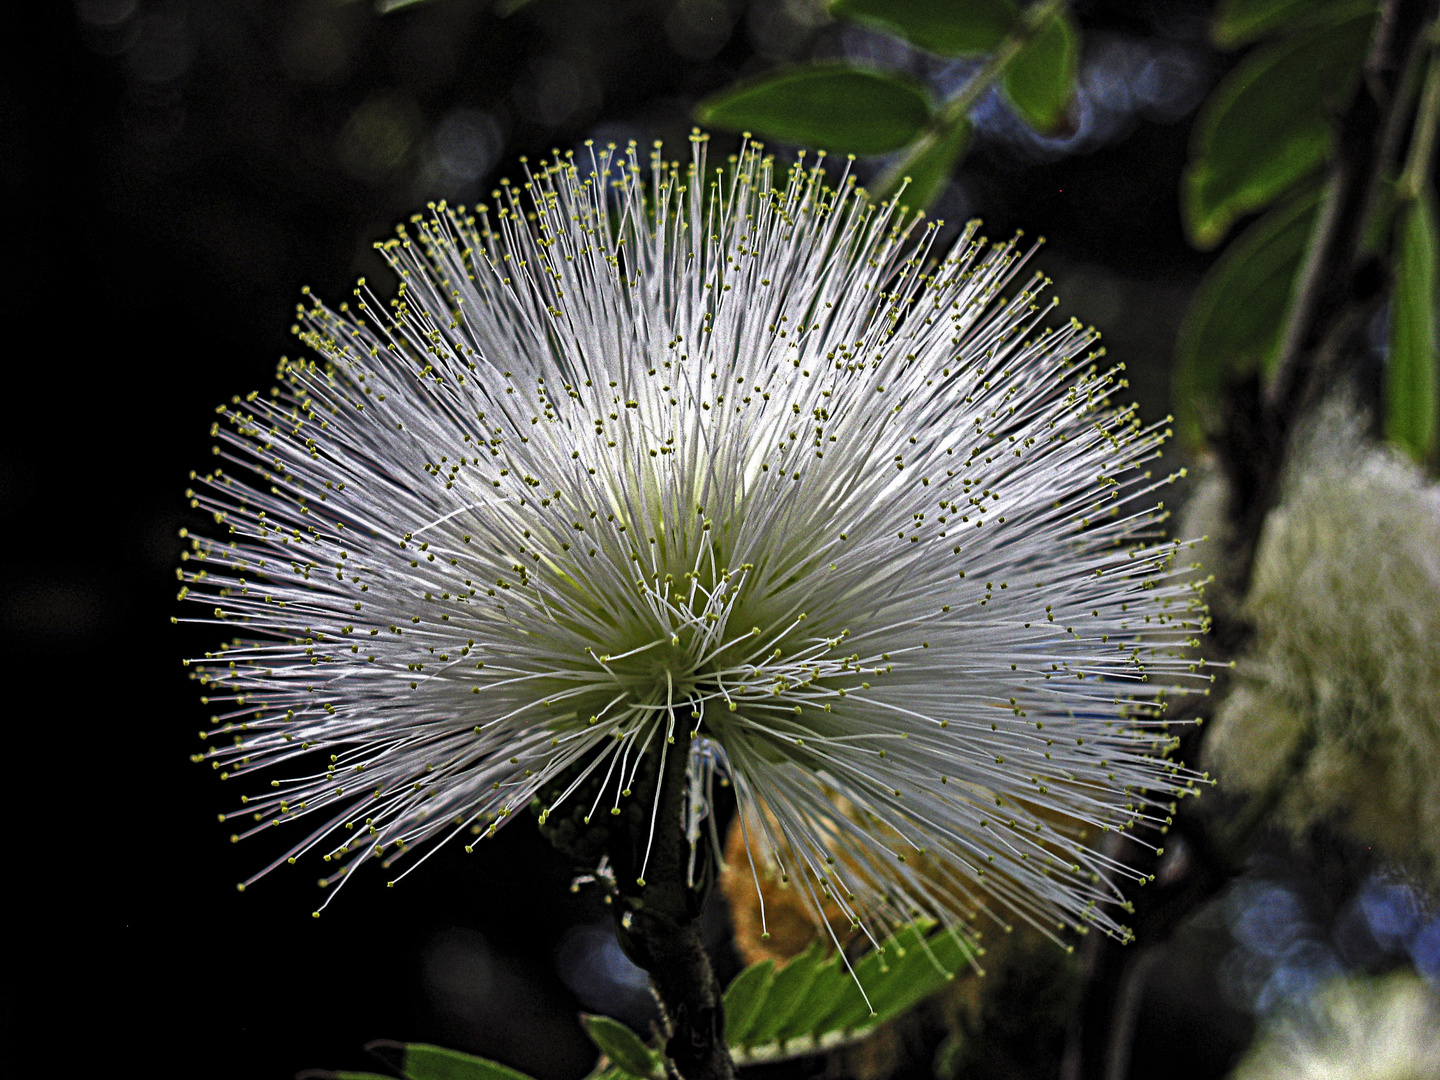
1337,701
635,460
1353,1029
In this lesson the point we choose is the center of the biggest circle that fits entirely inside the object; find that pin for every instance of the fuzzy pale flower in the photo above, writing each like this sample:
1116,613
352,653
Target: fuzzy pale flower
1354,1029
1336,702
706,462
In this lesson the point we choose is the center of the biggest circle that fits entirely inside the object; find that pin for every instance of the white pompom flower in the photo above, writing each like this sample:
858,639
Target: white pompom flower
1385,1028
716,462
1333,710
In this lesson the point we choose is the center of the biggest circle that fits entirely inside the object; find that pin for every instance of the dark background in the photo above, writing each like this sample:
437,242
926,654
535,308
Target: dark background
175,171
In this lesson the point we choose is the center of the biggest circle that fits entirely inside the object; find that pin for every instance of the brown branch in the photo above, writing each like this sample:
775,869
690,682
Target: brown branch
658,920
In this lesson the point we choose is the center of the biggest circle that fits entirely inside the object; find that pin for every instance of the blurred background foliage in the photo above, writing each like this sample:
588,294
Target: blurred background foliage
176,170
1263,136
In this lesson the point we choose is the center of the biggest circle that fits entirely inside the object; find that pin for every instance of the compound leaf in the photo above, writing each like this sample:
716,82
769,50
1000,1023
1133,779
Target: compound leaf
744,998
823,1007
806,1021
924,968
787,991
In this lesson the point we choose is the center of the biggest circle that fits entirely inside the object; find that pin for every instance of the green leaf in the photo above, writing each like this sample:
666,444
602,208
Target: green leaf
743,998
1236,318
1040,80
347,1075
806,1019
947,27
927,165
831,106
426,1062
1238,22
1267,125
1410,375
849,1008
894,979
786,992
924,969
822,1006
621,1045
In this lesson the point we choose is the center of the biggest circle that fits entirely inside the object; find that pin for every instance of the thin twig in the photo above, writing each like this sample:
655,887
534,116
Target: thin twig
957,109
1422,147
658,922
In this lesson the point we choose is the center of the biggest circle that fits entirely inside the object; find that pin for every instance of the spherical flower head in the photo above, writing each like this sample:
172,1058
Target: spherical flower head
1354,1029
716,462
1336,701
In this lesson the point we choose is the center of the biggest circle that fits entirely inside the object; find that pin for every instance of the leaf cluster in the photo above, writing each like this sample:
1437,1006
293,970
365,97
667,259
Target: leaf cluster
1263,143
1032,54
